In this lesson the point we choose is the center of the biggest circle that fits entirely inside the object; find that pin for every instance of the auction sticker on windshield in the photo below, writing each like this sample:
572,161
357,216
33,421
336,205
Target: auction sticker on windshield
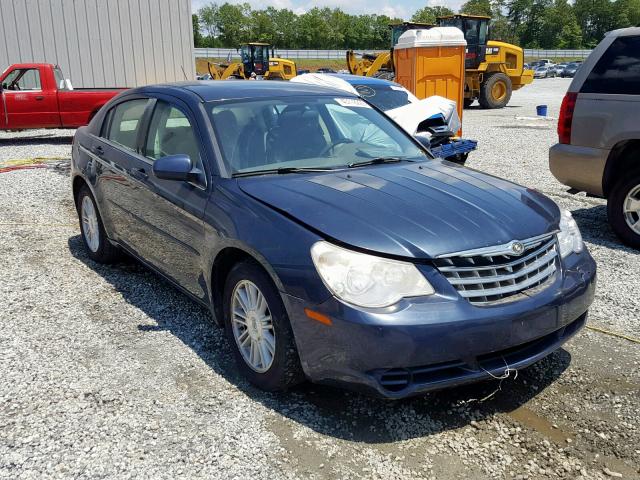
352,102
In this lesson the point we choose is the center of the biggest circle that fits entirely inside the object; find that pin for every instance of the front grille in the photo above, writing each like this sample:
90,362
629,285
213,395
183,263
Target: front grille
496,274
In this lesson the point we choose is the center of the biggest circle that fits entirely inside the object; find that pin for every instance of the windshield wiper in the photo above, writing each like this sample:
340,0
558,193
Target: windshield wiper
282,171
378,161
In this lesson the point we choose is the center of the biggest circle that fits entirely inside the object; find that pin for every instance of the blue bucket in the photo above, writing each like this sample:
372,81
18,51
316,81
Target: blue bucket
541,110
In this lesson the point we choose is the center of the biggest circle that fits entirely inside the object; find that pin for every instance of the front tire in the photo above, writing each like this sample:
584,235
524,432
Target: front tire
623,209
95,239
258,329
495,91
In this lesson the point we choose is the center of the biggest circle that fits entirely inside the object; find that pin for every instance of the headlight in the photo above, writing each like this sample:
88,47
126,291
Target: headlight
569,238
367,280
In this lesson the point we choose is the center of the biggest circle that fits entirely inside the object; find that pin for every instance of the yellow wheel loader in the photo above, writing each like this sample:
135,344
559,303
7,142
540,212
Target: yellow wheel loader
493,70
255,59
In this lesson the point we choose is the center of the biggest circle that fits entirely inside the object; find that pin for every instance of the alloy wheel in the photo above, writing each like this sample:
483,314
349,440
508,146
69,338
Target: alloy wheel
252,326
631,209
90,226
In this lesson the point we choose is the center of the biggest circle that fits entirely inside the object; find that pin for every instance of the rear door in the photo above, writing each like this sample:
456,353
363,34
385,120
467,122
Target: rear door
608,101
116,151
28,101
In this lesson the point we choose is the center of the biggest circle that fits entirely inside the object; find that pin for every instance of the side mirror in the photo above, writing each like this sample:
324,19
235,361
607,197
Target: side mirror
175,167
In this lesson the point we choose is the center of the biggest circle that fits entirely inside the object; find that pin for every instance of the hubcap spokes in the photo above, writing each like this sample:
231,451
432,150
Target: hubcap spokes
252,326
631,209
90,224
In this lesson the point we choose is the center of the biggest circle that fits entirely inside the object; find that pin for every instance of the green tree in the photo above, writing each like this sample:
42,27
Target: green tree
477,7
197,36
430,14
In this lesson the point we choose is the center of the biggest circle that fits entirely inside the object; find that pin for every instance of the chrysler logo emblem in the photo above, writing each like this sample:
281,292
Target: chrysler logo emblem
517,248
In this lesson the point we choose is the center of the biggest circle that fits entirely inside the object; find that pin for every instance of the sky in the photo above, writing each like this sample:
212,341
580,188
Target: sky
396,8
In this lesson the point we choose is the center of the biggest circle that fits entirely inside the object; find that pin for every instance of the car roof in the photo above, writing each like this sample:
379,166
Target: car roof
212,90
361,80
624,32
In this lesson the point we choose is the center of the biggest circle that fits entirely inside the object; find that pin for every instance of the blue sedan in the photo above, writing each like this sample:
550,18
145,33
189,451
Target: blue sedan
325,240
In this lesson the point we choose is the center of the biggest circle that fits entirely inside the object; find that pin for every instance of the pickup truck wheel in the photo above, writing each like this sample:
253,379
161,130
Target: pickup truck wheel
495,91
258,329
623,209
98,246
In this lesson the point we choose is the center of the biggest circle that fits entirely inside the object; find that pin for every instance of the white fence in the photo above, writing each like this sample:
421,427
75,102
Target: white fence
232,53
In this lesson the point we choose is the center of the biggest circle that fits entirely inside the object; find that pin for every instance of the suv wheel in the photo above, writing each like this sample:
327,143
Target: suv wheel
623,209
258,329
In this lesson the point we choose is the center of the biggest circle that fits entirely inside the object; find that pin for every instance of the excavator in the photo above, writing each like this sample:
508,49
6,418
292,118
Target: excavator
255,58
492,69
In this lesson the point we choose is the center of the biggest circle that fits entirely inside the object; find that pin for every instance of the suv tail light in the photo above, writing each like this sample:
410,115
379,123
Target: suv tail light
566,117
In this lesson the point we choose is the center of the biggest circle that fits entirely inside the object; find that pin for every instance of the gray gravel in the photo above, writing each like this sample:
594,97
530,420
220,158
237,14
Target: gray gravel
108,372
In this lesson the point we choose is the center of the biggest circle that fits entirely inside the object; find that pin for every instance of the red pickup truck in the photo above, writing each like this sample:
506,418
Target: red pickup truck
36,95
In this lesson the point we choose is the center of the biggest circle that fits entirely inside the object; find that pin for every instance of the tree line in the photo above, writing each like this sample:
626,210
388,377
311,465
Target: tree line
549,24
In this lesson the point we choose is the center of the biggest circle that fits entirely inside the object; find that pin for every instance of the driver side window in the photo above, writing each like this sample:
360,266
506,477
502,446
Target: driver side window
171,133
24,79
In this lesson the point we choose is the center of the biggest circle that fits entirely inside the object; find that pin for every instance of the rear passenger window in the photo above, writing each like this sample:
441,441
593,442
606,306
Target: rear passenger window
618,70
125,120
171,133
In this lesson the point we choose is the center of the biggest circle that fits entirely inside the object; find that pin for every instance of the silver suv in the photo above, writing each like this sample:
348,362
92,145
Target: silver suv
599,131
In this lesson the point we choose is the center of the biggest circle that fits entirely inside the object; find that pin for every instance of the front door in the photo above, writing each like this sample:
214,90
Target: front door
169,213
26,102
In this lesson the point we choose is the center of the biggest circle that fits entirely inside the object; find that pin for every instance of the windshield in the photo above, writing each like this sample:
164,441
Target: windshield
305,132
385,97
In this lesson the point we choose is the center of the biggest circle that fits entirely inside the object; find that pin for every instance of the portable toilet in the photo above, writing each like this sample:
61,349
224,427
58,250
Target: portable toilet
431,62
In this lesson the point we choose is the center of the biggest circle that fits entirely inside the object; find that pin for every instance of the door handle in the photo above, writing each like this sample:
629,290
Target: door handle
139,173
98,150
40,97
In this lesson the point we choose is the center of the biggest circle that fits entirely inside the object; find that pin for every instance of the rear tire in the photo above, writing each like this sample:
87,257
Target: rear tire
275,365
495,91
623,209
95,239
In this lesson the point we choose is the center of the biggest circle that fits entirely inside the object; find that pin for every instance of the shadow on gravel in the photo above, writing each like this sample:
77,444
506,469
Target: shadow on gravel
65,139
326,410
595,228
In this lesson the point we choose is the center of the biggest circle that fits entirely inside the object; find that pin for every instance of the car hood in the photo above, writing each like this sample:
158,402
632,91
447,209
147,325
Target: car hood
419,210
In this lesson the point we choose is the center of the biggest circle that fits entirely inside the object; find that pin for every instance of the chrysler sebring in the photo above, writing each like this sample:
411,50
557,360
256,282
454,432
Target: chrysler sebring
328,243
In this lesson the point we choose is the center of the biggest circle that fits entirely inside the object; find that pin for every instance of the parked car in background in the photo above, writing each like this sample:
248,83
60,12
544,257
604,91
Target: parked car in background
544,72
37,95
598,150
302,71
558,69
570,70
329,244
431,125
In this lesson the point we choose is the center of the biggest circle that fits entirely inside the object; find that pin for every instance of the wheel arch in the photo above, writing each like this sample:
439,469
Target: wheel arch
224,260
623,158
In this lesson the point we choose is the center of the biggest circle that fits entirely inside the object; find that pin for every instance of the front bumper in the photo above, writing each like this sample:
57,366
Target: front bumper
581,168
443,340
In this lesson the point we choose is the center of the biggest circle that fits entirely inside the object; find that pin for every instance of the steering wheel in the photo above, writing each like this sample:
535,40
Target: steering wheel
334,144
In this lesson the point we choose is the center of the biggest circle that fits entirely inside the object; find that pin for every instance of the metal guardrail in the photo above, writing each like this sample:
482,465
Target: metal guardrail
232,53
538,53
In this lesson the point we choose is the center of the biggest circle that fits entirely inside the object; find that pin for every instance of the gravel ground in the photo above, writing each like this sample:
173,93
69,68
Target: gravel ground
109,372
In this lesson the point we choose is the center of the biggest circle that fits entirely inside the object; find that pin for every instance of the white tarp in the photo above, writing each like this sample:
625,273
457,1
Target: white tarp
408,116
411,115
323,80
